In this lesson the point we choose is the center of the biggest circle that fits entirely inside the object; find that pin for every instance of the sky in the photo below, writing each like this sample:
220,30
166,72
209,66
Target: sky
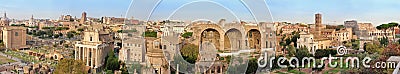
296,11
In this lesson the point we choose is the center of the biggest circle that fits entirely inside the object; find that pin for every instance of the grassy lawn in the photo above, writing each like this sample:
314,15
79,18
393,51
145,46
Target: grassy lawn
22,56
5,60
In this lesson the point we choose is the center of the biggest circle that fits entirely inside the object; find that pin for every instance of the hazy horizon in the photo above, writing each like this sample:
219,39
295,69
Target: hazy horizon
296,11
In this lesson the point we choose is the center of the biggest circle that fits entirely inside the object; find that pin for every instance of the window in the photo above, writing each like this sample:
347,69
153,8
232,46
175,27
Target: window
91,38
16,33
270,34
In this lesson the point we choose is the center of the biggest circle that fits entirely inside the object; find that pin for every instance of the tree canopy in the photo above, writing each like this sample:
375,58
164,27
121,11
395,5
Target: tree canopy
373,48
384,41
150,34
112,62
386,26
187,34
190,52
70,66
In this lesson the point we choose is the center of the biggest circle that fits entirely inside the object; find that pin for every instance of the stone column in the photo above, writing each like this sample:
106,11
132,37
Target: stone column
210,71
215,70
220,69
80,53
83,55
76,52
91,57
96,57
87,56
101,53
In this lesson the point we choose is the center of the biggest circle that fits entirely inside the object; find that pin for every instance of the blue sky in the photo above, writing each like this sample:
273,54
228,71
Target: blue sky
334,11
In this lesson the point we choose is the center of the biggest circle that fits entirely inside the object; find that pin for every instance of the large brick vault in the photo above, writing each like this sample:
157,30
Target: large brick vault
234,36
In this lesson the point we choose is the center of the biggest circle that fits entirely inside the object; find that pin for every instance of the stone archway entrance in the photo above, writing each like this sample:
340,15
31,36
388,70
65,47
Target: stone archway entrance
254,39
233,40
212,36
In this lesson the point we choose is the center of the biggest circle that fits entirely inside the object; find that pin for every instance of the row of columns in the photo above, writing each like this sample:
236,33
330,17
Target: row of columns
214,70
371,34
90,56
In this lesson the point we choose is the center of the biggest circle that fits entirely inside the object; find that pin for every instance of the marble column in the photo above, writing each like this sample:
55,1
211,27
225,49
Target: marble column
87,56
220,69
91,57
84,55
215,70
76,52
96,58
80,53
210,70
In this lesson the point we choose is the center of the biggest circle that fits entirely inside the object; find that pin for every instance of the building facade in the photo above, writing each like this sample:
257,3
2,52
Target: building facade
288,29
14,37
93,49
133,50
343,35
307,40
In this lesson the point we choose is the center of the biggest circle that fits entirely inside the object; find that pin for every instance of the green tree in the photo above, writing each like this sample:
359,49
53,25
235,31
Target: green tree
398,41
252,66
339,27
373,48
56,35
387,26
70,35
70,66
275,62
282,43
190,52
291,50
324,53
301,53
59,28
112,62
119,31
109,72
136,66
80,29
384,41
60,34
296,36
288,41
150,34
187,34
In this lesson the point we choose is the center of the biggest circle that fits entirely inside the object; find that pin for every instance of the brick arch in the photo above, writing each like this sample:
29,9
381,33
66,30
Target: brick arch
263,35
200,28
238,43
